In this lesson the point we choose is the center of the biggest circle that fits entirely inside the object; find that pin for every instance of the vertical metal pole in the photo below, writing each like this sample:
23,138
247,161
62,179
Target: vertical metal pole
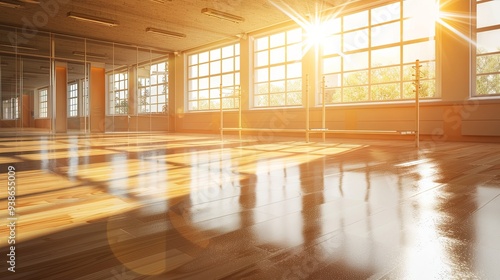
239,112
417,103
221,115
307,108
323,113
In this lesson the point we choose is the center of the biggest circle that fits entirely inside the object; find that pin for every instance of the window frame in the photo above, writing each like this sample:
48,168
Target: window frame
475,53
208,95
148,86
123,81
337,94
285,81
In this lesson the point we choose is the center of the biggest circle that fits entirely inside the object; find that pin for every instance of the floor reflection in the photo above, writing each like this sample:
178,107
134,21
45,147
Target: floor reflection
178,206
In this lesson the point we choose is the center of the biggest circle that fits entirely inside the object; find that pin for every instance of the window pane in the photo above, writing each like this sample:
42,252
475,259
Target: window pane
488,14
331,64
331,45
277,40
488,84
355,21
355,94
386,92
228,65
356,40
384,75
356,61
277,73
203,70
277,55
386,34
262,59
422,51
294,70
262,75
386,13
333,80
203,57
488,63
294,36
488,41
414,29
385,57
227,51
294,52
215,54
262,43
215,67
356,78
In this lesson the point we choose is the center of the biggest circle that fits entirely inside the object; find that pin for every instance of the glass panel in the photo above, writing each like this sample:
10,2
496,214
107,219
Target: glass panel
294,52
262,75
488,84
294,70
356,40
422,51
386,91
331,45
488,41
262,43
277,73
487,14
386,13
277,40
384,75
356,78
355,94
386,34
355,21
356,61
277,55
262,58
294,36
488,63
385,57
331,65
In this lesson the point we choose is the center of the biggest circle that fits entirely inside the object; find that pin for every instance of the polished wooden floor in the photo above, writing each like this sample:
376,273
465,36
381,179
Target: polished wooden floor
151,206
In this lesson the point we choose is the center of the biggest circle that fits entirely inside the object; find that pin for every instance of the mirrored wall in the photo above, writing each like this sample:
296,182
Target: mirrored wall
63,84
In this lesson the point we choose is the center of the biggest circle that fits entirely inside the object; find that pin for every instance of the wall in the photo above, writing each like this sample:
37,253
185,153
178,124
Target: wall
455,116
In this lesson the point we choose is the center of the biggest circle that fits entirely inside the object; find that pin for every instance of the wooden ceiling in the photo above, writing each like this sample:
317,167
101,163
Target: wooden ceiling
134,16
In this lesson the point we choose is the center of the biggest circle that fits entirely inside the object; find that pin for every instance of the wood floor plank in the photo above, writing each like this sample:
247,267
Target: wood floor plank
177,206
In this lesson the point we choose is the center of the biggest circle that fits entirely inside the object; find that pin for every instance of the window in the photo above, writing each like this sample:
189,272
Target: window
10,109
278,70
43,103
488,48
209,71
85,96
371,54
73,99
153,89
118,94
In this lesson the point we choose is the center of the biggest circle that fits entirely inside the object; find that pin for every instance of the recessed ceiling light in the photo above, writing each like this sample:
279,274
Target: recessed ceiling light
30,1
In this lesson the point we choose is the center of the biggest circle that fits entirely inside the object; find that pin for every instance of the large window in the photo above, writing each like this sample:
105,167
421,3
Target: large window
153,88
10,109
488,47
370,54
73,99
118,94
43,103
211,73
278,70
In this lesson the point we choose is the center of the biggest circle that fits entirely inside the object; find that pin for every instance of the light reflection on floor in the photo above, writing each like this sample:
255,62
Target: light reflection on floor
373,209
